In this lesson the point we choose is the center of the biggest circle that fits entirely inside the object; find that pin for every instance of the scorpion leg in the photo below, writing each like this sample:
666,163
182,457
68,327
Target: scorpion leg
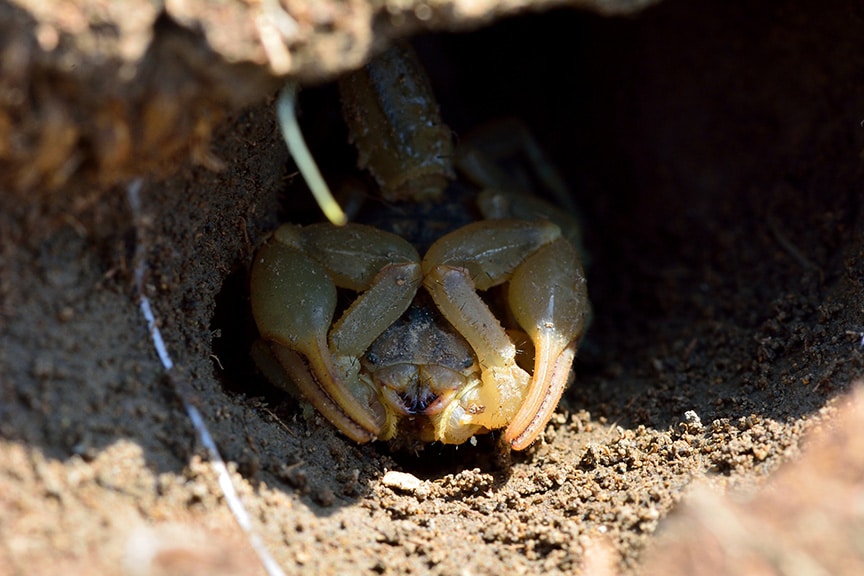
496,204
506,162
295,278
500,155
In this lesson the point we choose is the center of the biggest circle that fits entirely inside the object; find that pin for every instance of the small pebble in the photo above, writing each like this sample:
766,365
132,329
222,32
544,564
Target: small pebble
401,481
692,418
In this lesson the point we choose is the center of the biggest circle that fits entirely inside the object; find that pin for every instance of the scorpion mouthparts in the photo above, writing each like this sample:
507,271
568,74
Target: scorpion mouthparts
417,400
438,402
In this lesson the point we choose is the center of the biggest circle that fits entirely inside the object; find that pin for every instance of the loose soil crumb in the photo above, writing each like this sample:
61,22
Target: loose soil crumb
715,152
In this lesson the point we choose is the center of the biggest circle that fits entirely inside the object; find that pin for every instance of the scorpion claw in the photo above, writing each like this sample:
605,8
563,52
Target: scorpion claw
325,401
294,280
543,396
553,312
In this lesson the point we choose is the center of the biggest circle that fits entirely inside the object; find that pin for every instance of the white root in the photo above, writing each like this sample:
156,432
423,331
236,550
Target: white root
286,112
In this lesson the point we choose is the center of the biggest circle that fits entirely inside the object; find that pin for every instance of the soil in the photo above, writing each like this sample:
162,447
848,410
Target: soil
716,154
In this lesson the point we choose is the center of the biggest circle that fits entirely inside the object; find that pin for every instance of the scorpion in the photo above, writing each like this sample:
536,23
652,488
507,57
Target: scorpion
469,298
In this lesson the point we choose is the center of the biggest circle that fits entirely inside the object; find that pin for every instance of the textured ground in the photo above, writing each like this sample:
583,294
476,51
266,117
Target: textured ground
715,149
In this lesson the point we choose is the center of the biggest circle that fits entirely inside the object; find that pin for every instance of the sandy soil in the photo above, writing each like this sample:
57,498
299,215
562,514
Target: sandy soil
715,151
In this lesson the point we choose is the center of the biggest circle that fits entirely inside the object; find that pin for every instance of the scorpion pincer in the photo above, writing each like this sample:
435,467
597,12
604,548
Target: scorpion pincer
421,350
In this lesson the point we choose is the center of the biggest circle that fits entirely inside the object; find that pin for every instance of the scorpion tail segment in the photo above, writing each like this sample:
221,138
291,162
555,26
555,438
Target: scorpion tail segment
553,312
394,121
296,368
286,111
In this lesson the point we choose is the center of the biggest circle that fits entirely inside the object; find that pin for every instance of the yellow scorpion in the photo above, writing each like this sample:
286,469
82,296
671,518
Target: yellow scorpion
469,293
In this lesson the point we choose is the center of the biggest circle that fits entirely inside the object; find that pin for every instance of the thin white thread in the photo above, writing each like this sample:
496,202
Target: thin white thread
224,478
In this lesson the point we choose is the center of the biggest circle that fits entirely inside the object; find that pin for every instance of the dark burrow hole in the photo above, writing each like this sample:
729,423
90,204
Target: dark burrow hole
717,186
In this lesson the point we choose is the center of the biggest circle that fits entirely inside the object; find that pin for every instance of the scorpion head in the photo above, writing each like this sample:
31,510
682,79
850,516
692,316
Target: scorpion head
420,363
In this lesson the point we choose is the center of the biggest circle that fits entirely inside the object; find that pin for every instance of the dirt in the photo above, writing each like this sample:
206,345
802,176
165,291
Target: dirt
113,90
715,152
